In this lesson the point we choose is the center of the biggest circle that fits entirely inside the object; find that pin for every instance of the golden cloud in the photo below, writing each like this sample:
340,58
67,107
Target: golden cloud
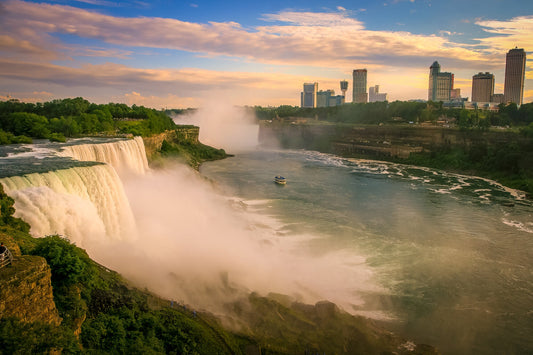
314,39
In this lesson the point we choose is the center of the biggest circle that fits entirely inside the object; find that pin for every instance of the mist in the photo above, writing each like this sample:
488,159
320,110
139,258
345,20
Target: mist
232,128
205,249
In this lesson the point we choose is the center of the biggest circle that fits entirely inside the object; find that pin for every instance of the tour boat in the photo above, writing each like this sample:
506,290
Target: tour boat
280,180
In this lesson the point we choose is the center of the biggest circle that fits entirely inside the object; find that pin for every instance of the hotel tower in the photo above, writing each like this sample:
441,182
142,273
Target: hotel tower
515,69
359,93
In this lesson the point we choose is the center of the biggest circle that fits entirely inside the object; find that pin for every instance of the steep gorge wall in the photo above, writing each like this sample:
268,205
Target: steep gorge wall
398,141
183,134
26,291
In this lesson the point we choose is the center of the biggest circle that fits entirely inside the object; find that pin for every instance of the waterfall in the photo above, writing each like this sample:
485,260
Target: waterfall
86,204
123,155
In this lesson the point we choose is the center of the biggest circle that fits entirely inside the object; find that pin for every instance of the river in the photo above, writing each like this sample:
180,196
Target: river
452,255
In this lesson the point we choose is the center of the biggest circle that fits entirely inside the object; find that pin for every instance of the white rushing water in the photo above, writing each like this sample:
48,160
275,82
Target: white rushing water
124,155
86,204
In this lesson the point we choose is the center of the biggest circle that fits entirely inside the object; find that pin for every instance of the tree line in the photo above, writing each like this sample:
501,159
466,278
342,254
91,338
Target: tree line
72,117
405,112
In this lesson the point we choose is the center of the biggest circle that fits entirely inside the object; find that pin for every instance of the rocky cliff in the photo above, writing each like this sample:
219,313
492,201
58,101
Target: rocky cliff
183,134
26,290
394,141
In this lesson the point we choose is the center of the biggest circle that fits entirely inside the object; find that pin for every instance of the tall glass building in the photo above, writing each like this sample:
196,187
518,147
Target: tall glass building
515,70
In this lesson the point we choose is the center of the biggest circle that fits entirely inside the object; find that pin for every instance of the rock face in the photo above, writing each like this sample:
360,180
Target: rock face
395,141
183,134
26,291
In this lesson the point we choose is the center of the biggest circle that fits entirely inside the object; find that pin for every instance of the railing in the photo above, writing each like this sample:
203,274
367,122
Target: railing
6,258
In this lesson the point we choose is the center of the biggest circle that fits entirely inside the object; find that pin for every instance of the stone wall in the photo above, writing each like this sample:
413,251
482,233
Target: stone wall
26,291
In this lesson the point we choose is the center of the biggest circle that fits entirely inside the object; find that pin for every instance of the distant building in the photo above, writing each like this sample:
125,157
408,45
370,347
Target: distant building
336,100
440,84
308,97
323,98
329,99
344,87
515,69
497,98
374,95
359,86
482,87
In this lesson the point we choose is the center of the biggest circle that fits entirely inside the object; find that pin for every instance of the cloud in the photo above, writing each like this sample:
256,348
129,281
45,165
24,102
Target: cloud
507,34
35,96
164,85
12,46
310,42
319,19
302,38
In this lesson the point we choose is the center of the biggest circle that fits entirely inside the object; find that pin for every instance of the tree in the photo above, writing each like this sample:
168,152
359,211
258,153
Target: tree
69,264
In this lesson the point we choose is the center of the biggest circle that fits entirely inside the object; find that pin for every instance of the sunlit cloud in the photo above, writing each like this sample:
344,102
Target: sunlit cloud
301,39
35,96
508,34
317,43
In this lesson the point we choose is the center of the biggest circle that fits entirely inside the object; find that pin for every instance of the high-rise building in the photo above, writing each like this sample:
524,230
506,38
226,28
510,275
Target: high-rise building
308,97
374,95
515,69
482,87
359,86
440,84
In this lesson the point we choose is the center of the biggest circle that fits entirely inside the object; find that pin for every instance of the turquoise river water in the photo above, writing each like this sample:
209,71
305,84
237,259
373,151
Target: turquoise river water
452,256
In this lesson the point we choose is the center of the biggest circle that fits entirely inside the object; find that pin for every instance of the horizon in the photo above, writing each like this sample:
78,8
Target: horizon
188,54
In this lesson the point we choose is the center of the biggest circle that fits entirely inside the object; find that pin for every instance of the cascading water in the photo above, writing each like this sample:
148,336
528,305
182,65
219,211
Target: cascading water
87,204
123,155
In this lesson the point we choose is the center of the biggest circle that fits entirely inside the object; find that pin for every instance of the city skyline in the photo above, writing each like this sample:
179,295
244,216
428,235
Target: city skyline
186,54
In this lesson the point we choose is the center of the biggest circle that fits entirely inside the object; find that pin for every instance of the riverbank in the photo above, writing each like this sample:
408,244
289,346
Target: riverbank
501,155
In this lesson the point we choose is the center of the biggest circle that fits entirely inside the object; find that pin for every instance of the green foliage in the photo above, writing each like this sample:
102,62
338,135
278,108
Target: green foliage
57,137
527,131
17,337
193,153
10,138
74,117
6,213
403,112
70,265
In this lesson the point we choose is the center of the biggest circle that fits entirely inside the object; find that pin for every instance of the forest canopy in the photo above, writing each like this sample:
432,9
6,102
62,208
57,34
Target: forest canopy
58,119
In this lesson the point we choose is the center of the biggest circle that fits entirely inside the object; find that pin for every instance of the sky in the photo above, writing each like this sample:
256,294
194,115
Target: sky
179,54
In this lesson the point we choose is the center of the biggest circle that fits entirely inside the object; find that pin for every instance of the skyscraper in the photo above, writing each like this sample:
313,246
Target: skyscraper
515,69
308,96
482,87
440,84
359,86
